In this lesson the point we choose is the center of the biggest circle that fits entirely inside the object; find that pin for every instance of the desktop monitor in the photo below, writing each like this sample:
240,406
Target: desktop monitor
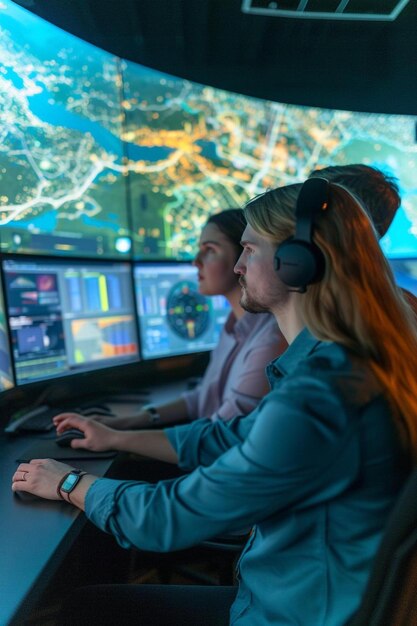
405,272
68,316
174,318
6,372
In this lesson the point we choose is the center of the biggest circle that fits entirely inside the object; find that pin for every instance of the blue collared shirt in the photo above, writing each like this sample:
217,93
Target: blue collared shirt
315,468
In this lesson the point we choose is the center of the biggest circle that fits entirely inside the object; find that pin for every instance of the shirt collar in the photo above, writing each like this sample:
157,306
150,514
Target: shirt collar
303,345
243,326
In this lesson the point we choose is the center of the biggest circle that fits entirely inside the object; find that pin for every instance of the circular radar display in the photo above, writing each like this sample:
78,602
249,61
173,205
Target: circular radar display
188,312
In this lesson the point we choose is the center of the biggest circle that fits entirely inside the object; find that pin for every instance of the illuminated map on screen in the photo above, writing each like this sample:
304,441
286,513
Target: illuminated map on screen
61,176
191,150
194,150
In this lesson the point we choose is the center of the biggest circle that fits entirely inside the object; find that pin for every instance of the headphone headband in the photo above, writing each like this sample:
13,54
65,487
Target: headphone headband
298,260
311,200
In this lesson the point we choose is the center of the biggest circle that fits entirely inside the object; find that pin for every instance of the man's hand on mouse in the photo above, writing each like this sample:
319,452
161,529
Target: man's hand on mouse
97,437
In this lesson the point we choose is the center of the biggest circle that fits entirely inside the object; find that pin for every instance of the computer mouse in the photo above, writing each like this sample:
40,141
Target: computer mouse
64,439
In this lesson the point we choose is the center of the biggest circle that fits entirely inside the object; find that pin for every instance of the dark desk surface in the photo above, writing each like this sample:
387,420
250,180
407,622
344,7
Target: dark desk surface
35,536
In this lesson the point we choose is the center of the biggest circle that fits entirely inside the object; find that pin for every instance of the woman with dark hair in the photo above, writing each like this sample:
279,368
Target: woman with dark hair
235,380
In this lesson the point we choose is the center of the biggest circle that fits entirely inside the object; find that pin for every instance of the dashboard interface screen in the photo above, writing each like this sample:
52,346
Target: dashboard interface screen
67,317
174,318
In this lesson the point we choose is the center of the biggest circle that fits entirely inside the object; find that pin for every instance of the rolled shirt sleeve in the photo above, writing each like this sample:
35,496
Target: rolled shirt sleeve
306,471
288,456
203,441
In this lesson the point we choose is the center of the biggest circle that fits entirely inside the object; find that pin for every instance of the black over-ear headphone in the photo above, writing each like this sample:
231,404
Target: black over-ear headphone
298,260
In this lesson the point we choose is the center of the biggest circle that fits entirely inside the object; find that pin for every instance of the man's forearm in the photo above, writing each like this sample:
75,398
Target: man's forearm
171,413
150,443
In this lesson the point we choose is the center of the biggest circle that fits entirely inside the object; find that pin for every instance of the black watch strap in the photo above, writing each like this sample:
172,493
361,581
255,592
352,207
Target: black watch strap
154,416
69,482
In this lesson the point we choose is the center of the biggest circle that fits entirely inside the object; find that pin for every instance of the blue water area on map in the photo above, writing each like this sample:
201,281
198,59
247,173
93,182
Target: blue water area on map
43,104
208,149
10,74
57,115
148,153
96,223
45,222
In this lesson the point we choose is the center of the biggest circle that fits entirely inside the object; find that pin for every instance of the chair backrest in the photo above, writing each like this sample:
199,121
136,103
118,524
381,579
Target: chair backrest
390,598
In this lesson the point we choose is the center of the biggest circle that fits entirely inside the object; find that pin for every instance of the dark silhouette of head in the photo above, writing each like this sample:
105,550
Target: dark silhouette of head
378,192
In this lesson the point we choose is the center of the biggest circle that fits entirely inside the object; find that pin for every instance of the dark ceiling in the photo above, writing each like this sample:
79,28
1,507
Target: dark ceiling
358,65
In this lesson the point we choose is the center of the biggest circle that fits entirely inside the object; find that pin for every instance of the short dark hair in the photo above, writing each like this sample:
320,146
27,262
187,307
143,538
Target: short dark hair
378,192
231,223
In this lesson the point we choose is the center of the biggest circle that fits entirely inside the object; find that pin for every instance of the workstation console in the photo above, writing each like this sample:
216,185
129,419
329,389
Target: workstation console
109,171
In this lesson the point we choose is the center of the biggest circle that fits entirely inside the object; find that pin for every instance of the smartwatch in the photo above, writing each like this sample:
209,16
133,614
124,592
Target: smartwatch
154,416
69,482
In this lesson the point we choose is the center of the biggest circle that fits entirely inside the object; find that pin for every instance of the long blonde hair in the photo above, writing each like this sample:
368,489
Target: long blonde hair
357,303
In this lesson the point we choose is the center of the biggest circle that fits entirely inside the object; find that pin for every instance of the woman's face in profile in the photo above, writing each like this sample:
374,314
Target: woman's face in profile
215,261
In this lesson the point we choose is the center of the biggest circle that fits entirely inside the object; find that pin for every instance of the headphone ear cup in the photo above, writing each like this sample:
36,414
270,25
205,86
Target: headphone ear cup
299,263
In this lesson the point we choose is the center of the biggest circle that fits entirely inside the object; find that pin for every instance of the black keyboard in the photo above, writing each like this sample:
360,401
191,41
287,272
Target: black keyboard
38,420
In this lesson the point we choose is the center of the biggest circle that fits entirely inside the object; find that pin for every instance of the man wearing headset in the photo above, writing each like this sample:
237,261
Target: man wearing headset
308,468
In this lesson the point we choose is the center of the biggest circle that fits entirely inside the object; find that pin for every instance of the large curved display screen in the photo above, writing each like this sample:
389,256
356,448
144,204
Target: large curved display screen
77,123
194,150
62,188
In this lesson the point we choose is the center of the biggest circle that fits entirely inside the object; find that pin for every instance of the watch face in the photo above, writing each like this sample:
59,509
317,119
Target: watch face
70,482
